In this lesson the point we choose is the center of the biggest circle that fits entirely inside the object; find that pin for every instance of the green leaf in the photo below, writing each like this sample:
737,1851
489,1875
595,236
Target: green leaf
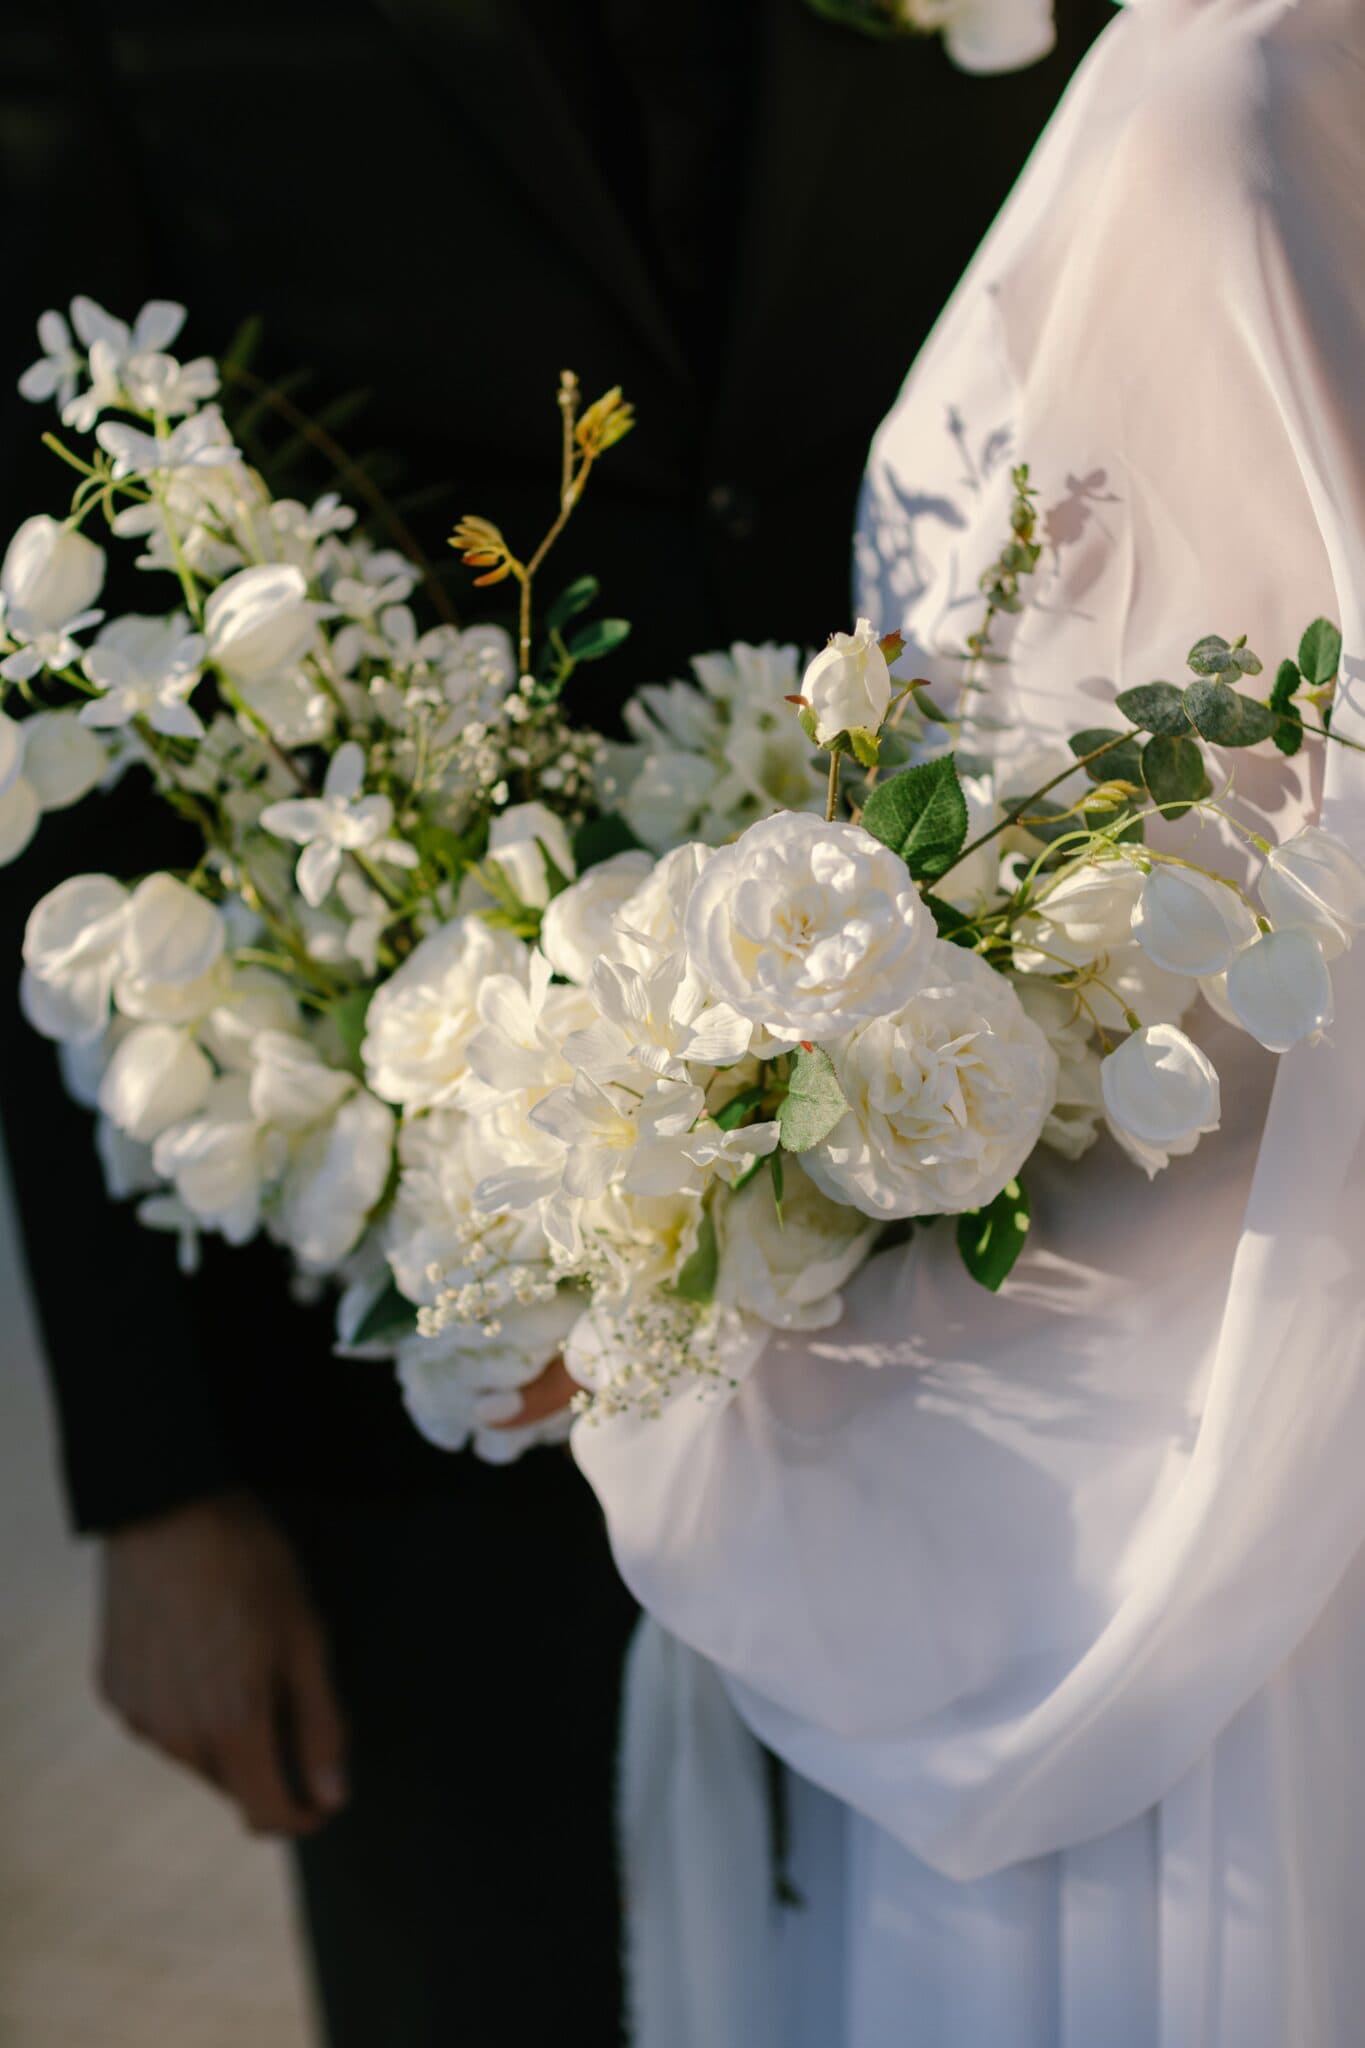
1320,652
1287,680
1224,717
601,637
390,1316
571,601
779,1174
952,923
554,873
807,721
697,1280
348,1014
1156,708
1211,656
991,1239
731,1114
1173,770
597,839
921,815
1122,762
865,746
814,1101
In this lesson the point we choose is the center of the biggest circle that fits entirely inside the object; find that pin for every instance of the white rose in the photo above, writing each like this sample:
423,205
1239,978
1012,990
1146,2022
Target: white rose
808,928
1191,923
334,1181
1315,879
848,685
50,573
73,949
259,621
157,1077
1161,1095
787,1268
1280,989
947,1097
578,927
650,921
515,843
421,1020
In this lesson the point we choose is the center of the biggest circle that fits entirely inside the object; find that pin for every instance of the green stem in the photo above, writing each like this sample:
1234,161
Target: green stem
1016,811
832,797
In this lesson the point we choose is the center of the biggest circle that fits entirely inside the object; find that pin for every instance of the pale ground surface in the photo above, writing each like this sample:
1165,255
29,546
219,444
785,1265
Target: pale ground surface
132,1912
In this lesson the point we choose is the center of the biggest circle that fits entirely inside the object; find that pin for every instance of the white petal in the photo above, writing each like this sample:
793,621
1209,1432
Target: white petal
318,867
1280,989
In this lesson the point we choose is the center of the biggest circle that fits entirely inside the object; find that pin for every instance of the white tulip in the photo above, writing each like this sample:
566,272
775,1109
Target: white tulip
516,843
578,929
260,621
1280,989
808,928
1317,880
158,1076
848,685
73,950
1160,1094
335,1180
173,934
50,573
1191,923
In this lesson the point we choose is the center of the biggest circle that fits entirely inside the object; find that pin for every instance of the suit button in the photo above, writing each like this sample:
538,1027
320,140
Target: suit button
733,509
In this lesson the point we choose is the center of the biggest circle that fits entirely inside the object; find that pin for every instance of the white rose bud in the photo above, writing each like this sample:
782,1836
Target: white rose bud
157,1076
259,621
1191,923
1160,1094
1280,989
515,843
1316,880
50,573
848,685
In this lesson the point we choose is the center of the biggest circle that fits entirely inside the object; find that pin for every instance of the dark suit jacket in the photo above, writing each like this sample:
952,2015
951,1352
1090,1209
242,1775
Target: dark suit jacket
411,194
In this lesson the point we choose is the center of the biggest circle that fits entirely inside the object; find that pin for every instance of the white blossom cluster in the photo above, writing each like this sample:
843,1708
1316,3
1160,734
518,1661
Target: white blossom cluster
527,1093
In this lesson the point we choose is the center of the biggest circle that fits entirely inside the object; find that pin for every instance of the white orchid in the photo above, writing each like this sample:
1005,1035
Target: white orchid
342,820
146,668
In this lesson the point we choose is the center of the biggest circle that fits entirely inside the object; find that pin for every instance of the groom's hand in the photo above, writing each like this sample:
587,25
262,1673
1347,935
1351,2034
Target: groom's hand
213,1652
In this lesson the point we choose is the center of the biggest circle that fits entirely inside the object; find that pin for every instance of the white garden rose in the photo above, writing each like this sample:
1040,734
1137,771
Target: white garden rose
260,622
1316,880
808,928
787,1266
650,922
418,1027
947,1096
1161,1095
73,950
848,685
579,927
157,1076
462,1384
1191,923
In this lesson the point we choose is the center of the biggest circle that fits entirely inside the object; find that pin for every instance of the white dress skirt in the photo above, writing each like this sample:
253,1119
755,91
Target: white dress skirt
1052,1601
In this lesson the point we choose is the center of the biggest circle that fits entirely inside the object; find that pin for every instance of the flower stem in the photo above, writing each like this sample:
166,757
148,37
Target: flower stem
832,798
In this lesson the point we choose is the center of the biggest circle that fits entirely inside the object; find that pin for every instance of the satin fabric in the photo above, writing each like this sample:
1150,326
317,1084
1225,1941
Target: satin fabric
1051,1595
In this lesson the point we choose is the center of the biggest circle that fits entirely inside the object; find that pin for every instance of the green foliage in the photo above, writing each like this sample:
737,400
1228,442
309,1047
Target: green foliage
697,1280
814,1101
573,599
597,839
864,746
388,1318
731,1114
1224,717
1288,733
952,923
1215,656
991,1239
921,814
1173,769
1156,708
602,637
1320,653
348,1014
1121,760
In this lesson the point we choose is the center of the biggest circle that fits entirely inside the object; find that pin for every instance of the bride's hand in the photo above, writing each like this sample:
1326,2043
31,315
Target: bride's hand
541,1398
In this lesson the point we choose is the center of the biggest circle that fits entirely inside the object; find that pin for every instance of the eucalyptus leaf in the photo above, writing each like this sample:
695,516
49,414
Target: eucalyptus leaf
814,1102
991,1239
1320,653
1156,708
1224,717
921,814
1173,769
1122,761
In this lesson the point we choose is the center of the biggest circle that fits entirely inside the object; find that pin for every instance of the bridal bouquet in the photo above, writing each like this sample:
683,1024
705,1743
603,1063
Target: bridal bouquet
539,1045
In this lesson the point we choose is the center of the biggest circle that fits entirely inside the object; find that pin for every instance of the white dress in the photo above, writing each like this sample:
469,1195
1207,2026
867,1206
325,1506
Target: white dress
1053,1601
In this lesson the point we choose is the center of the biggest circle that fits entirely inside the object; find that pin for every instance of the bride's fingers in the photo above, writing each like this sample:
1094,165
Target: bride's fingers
543,1397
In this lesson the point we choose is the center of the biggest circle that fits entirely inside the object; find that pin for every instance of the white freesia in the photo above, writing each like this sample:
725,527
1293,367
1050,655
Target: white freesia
334,1181
786,1266
947,1096
146,668
1161,1095
157,1077
808,928
221,1161
848,685
611,1135
520,839
1316,880
419,1025
1280,989
73,950
579,927
342,820
260,622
